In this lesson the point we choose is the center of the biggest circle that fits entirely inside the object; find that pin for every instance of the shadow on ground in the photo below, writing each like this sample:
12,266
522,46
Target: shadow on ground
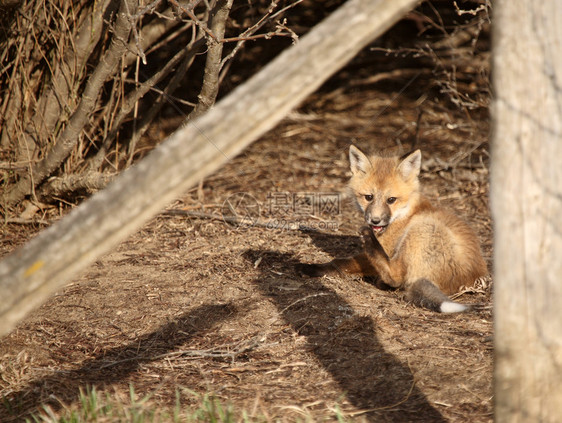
374,381
113,365
344,246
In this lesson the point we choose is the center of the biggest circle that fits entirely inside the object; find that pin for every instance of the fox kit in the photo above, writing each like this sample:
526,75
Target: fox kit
410,243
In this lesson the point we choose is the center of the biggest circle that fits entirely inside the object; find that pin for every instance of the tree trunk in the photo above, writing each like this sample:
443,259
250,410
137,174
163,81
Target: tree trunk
526,192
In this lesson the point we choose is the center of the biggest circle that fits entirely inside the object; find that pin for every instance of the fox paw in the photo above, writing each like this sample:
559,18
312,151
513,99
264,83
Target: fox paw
368,236
366,233
312,270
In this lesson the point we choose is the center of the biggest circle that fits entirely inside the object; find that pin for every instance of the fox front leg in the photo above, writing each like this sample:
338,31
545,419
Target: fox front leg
371,244
359,264
390,271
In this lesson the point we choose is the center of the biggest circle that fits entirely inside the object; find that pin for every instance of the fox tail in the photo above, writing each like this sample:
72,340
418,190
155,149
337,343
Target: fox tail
425,293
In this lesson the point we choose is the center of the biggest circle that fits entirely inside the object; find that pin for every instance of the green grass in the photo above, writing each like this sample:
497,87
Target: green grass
97,407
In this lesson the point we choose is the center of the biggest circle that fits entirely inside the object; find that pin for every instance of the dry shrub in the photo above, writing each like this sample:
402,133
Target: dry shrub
82,81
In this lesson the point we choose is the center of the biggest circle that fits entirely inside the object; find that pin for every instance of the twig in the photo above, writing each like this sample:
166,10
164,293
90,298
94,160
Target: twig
287,225
483,7
257,37
480,286
244,36
148,8
234,220
308,297
161,92
166,40
150,36
210,353
402,401
20,221
394,74
192,16
215,353
134,20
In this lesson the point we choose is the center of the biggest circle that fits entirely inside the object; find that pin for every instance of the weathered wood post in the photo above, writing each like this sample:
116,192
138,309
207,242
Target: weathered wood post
526,195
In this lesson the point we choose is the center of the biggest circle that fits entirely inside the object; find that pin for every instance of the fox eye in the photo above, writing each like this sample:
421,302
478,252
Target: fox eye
369,197
391,200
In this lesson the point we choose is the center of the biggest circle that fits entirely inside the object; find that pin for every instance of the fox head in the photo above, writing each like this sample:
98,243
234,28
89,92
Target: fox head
385,188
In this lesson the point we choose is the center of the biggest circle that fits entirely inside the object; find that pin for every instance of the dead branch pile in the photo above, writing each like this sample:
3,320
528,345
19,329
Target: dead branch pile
81,81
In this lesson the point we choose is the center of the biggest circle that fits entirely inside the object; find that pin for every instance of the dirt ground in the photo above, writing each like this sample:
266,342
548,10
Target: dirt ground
194,304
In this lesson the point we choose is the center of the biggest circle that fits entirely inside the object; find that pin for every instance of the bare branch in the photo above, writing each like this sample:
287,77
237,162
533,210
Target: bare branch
133,97
60,95
210,88
148,36
88,183
155,109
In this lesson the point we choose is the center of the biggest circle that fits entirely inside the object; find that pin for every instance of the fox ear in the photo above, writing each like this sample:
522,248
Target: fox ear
358,161
410,166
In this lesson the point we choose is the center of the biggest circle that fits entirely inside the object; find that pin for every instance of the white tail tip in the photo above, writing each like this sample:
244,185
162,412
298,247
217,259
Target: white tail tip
452,307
